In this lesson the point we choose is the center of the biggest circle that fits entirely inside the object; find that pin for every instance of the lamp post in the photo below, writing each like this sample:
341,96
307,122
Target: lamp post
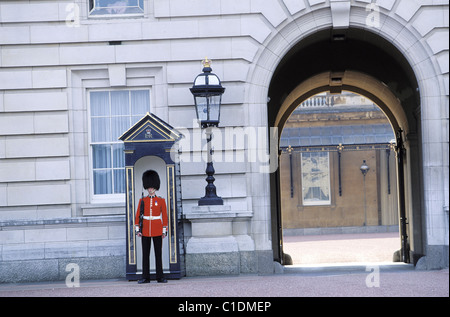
364,169
207,91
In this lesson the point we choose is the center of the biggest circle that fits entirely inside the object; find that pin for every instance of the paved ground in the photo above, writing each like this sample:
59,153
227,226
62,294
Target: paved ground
393,283
343,279
341,248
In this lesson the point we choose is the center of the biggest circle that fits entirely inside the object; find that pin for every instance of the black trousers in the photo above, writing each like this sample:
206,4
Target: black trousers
146,247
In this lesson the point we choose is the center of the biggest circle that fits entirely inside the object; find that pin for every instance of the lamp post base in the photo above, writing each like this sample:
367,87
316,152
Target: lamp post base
210,197
206,201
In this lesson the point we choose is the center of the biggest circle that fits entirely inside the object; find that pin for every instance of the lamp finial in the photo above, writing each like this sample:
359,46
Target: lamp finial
206,62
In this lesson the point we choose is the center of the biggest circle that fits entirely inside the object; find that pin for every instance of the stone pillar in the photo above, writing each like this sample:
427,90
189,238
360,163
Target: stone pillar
219,244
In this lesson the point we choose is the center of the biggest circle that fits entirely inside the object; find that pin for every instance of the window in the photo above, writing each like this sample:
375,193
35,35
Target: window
315,178
105,7
112,113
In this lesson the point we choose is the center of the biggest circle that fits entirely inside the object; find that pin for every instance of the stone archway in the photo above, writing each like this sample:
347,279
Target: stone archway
425,80
373,89
400,112
352,81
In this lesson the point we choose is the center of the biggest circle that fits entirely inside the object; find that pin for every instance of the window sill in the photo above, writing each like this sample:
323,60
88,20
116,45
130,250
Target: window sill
92,16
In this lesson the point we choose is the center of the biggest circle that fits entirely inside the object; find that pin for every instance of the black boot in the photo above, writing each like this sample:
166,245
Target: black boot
144,281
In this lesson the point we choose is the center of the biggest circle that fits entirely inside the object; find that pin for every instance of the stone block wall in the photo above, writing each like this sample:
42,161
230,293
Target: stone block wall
41,250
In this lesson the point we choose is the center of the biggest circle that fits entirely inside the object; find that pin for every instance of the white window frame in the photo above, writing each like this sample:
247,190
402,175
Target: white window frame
114,197
98,10
316,202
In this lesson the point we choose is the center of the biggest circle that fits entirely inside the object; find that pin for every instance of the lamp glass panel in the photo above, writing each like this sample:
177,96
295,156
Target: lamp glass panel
213,80
214,107
202,107
200,81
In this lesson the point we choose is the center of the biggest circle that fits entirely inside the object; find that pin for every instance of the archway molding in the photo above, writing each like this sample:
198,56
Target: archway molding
420,122
354,81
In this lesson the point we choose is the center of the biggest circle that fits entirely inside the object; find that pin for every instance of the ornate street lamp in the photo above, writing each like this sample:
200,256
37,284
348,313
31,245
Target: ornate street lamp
364,169
207,91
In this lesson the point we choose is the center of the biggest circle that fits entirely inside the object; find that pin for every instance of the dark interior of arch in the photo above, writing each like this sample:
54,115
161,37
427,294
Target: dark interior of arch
338,51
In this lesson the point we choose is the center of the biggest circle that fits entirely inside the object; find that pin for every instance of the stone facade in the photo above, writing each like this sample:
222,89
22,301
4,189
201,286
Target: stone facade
53,54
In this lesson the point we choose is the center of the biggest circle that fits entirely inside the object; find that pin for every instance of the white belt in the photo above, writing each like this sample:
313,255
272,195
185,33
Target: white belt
152,217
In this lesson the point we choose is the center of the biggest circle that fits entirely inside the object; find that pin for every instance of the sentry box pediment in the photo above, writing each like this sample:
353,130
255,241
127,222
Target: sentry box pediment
151,143
151,129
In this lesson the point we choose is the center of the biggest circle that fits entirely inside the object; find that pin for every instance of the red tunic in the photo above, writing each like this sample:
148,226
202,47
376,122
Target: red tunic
155,216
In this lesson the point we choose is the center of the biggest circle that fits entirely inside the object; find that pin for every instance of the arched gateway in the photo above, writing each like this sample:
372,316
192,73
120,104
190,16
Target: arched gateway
345,52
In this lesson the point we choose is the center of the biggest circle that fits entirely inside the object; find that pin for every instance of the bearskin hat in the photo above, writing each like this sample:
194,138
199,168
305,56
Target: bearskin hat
150,179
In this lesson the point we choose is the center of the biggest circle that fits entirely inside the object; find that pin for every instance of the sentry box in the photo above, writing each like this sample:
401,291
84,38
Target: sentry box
152,144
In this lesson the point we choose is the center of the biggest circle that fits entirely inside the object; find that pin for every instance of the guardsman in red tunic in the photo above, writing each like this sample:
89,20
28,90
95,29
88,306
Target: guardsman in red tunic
154,226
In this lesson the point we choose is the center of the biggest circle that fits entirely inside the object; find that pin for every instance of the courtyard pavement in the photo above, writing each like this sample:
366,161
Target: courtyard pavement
342,248
373,277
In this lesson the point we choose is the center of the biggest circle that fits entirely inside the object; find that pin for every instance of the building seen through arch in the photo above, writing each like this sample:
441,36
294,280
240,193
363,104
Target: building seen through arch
323,145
